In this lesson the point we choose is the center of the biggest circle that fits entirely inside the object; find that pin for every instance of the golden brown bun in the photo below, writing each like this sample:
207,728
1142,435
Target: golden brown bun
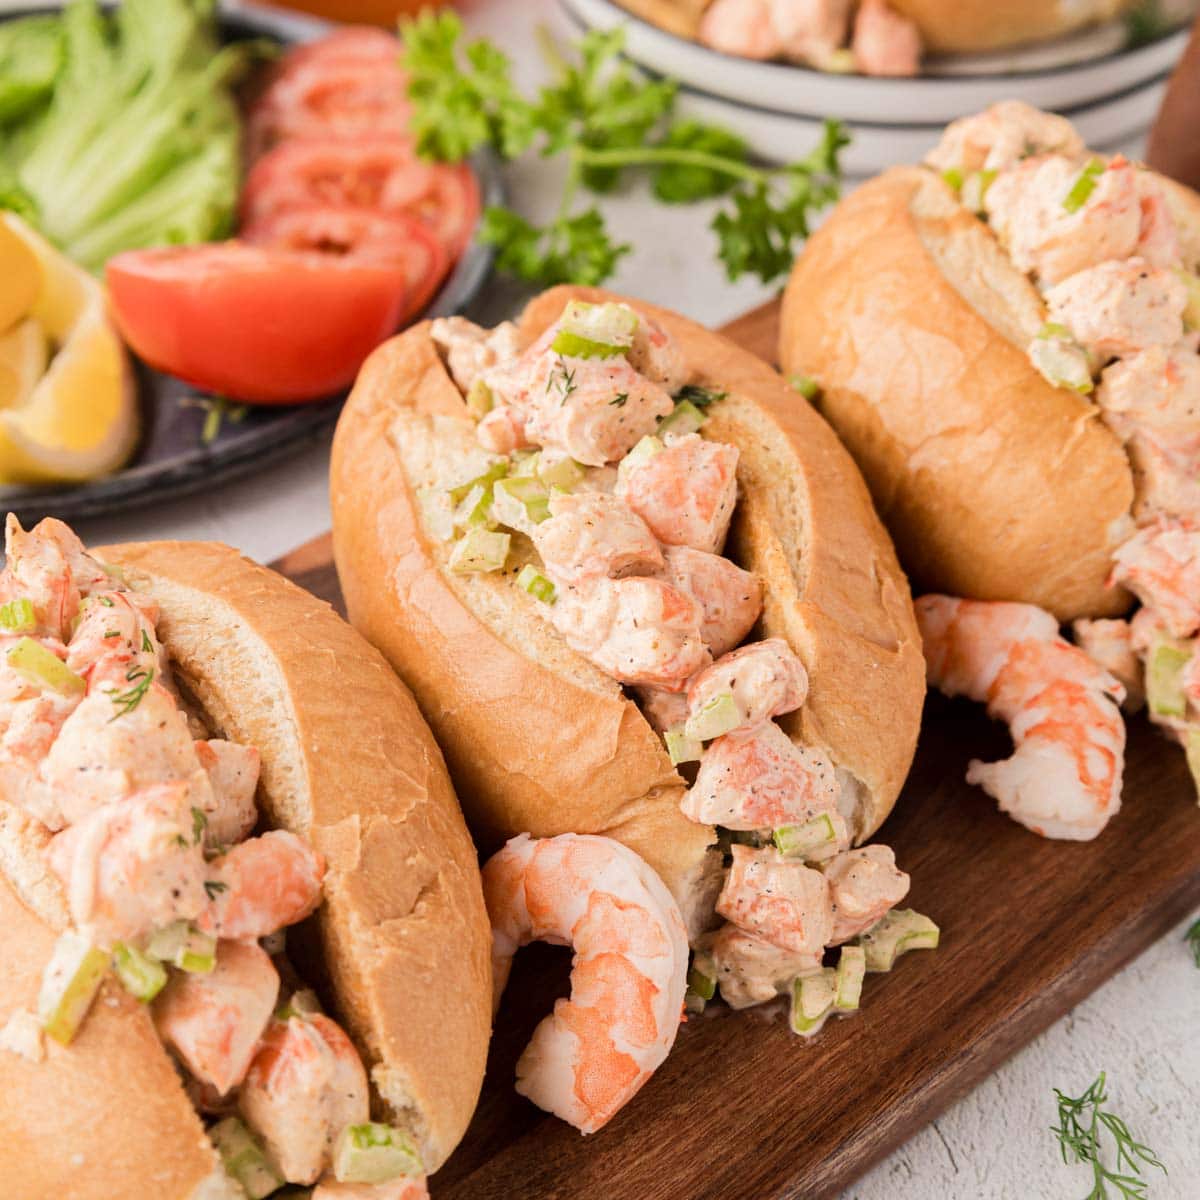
994,483
966,26
539,740
348,763
681,17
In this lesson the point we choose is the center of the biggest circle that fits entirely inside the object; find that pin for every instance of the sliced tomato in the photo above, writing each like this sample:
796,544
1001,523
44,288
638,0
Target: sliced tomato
331,97
374,172
361,43
264,325
360,234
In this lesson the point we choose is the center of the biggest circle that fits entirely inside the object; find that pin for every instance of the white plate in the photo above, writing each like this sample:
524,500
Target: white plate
779,137
786,90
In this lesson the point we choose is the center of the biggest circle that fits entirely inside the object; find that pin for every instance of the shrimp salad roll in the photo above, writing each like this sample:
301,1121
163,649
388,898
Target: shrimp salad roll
196,760
1030,415
639,592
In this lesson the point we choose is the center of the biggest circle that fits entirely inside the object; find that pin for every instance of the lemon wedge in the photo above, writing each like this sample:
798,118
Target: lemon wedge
21,275
24,356
79,420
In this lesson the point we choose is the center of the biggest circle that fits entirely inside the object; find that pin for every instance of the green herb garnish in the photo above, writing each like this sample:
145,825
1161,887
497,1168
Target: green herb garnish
701,397
1082,1123
140,679
1192,937
619,400
607,120
214,887
147,645
199,825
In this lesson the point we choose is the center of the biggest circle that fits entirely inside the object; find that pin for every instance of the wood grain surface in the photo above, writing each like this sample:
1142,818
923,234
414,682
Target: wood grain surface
744,1110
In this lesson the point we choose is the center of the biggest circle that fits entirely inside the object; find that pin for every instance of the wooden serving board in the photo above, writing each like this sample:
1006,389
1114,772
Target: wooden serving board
744,1110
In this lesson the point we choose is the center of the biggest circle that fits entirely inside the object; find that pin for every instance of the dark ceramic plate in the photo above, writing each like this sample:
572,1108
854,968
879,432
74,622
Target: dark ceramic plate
172,458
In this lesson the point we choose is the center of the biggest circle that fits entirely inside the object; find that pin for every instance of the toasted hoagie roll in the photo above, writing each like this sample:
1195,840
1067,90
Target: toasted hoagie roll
274,687
969,26
977,326
541,737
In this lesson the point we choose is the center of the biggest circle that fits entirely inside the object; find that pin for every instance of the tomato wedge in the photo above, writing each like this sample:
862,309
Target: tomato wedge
263,325
370,172
354,234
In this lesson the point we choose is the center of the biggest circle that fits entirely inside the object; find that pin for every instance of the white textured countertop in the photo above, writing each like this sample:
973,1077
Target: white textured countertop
994,1144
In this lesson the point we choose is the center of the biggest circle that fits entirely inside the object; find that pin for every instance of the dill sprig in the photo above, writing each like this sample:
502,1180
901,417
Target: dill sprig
1083,1121
139,679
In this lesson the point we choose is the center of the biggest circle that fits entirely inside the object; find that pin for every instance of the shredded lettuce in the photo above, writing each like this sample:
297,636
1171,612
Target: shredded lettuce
136,141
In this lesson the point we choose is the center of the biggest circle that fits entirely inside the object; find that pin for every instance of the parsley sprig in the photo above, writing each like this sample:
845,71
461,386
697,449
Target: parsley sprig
1192,937
607,120
1083,1122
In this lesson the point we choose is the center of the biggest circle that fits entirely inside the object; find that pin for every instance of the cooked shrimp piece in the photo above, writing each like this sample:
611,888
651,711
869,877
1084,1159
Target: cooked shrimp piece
1027,207
628,976
262,885
729,599
1166,475
127,733
752,971
685,493
233,775
1160,565
594,409
404,1188
760,779
593,535
1155,389
765,679
1158,240
742,27
638,630
863,885
777,899
1064,778
37,570
884,42
1109,643
1119,308
121,623
1001,136
470,350
305,1085
502,430
133,866
664,710
214,1022
657,356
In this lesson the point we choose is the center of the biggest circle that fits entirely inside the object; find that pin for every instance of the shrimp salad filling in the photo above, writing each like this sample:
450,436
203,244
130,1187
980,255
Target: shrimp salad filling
604,499
1121,299
166,884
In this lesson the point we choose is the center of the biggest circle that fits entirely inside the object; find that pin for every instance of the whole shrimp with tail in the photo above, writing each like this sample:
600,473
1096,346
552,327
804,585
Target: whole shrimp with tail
1064,778
628,976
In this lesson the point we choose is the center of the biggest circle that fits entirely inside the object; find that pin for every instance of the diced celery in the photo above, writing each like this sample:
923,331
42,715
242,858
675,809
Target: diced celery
141,976
610,325
69,985
1084,185
244,1158
806,385
954,178
480,400
719,716
1191,745
686,418
183,946
562,473
497,470
1060,360
480,550
851,969
44,668
536,584
475,509
701,983
1164,677
799,841
374,1153
574,345
975,189
896,933
682,748
641,454
813,997
1191,313
520,503
17,616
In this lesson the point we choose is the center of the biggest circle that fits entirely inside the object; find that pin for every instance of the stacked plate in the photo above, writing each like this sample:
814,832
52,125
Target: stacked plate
1110,91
